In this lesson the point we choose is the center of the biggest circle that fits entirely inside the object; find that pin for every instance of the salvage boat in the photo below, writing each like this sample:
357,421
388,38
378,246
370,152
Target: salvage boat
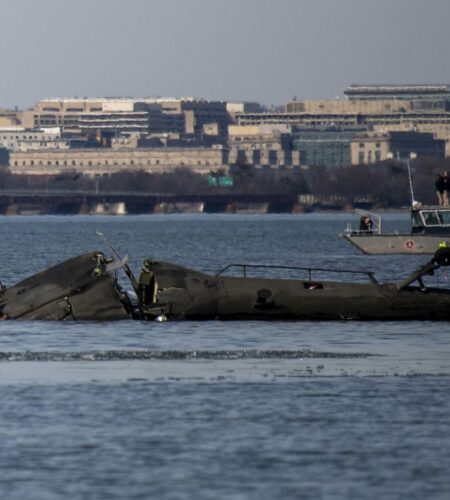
87,287
430,226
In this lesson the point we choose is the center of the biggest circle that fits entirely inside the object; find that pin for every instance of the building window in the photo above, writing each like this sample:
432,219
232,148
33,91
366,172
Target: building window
377,155
361,157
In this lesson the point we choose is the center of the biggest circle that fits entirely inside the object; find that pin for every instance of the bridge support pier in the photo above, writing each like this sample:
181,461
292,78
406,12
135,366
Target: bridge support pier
109,209
12,209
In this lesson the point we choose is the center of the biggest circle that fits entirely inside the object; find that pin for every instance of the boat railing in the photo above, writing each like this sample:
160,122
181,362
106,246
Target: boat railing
245,267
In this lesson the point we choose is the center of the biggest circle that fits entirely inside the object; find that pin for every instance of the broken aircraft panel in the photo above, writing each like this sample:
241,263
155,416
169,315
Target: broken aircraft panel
81,288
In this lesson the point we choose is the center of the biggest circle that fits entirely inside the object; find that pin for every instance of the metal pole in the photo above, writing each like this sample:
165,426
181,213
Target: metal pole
410,182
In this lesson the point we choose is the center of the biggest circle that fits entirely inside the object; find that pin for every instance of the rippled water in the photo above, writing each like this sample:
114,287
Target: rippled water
219,409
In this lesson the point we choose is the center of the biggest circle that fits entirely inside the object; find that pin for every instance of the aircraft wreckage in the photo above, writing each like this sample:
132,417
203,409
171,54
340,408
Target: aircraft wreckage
87,287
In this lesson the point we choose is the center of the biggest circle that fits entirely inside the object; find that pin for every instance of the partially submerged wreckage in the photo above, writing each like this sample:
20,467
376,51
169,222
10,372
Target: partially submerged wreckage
87,287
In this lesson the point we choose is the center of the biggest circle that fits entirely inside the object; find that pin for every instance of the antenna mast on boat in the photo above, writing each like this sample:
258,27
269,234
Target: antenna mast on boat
410,181
408,166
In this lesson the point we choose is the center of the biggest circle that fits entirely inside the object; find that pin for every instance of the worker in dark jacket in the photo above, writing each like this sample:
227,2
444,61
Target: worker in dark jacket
365,224
440,188
446,178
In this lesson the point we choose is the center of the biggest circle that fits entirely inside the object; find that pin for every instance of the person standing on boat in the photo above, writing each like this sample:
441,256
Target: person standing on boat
365,224
440,185
447,187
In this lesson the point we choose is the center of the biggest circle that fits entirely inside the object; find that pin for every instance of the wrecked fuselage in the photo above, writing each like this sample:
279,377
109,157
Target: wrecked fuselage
81,288
87,288
180,293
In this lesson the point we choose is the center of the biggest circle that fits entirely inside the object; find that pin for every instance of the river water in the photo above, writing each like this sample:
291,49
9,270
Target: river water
236,410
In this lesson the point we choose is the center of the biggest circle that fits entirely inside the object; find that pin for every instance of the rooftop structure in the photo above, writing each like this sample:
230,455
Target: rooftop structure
408,92
357,90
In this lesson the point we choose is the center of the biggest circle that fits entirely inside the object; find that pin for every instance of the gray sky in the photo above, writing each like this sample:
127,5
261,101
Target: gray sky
263,50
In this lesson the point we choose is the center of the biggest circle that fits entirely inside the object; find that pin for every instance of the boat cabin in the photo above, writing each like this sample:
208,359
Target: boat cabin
430,220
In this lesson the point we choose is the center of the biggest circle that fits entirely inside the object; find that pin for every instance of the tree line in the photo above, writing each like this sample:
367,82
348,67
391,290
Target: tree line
382,185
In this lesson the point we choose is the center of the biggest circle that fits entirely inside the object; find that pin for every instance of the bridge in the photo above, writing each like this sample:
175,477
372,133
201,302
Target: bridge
14,202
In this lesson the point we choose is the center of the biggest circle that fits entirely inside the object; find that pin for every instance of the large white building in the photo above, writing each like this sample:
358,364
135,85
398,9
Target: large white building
21,139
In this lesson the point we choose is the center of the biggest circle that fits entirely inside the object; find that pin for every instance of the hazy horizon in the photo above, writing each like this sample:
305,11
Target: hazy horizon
252,50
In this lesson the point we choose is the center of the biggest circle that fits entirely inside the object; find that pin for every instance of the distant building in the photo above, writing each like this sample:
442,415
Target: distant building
9,118
4,157
199,112
372,123
337,147
262,146
235,108
325,146
114,116
421,96
372,147
21,139
243,107
109,161
299,119
337,108
383,108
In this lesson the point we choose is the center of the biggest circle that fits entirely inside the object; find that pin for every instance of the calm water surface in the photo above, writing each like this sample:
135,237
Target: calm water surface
239,410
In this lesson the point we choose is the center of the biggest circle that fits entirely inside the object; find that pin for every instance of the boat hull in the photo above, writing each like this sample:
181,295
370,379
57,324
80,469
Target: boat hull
381,244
